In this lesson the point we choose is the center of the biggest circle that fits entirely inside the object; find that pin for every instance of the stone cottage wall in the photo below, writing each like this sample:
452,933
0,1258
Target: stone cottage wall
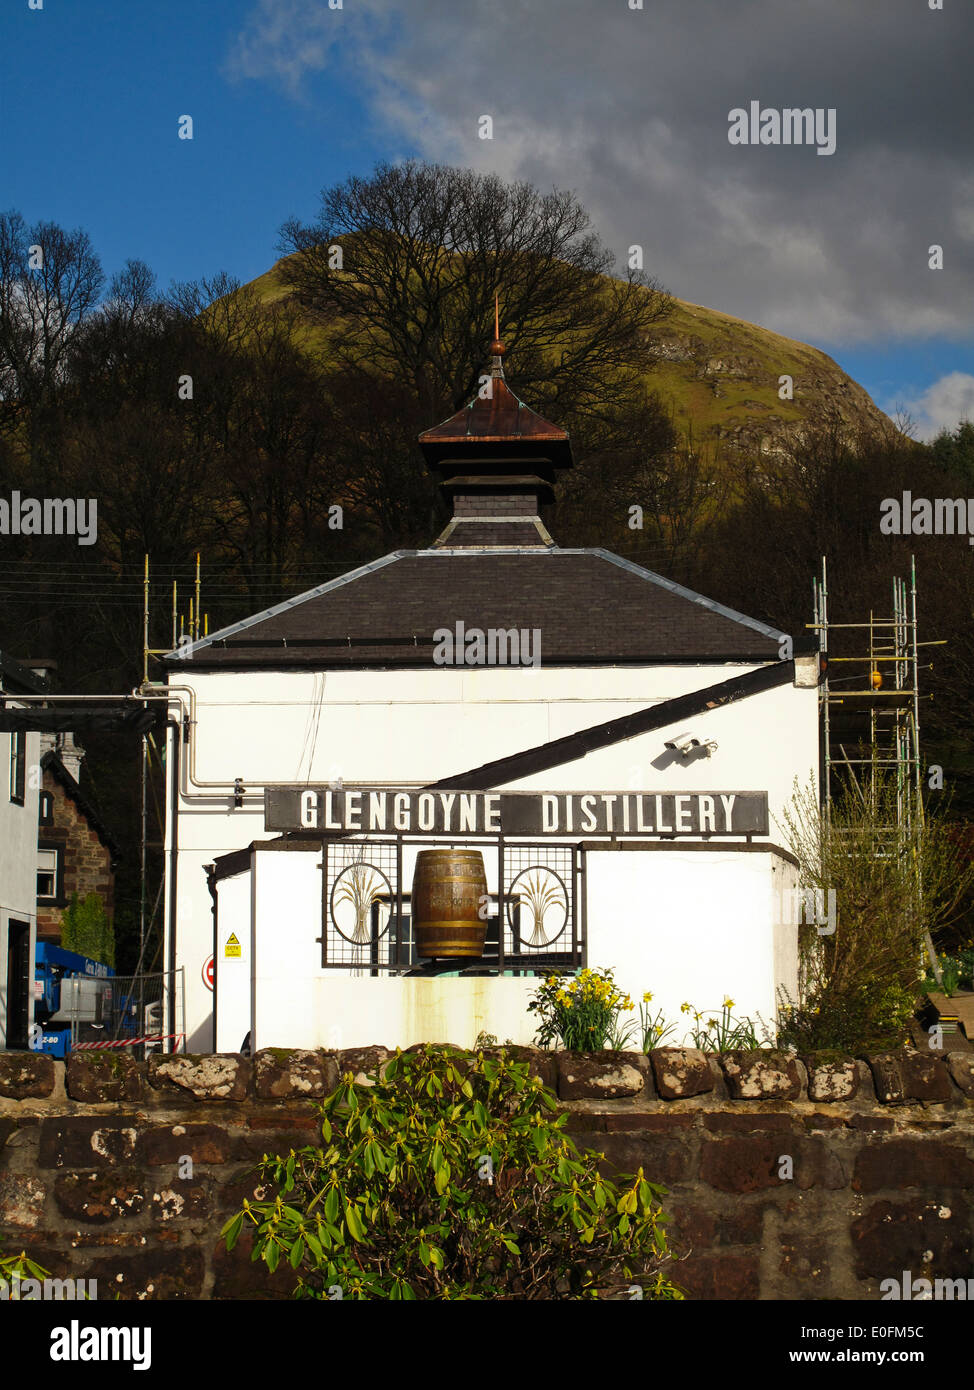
87,861
785,1180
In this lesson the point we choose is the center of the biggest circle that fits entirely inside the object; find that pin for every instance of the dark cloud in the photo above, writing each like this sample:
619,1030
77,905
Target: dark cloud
630,108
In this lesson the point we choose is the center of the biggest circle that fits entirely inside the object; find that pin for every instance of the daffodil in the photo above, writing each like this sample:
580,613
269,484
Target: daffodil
685,1008
728,1003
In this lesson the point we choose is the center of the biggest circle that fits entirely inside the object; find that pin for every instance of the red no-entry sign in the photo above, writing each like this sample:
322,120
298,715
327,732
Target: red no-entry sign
208,972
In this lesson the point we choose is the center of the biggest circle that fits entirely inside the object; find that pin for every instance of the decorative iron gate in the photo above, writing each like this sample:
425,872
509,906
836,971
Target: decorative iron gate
535,917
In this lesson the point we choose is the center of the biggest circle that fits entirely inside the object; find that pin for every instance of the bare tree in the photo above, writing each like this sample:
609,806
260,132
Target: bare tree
50,281
424,247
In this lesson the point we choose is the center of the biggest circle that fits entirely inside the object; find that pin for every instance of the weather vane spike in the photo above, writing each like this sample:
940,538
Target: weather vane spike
497,347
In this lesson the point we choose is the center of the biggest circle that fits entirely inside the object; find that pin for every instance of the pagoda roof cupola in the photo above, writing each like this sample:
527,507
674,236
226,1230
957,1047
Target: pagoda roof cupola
496,446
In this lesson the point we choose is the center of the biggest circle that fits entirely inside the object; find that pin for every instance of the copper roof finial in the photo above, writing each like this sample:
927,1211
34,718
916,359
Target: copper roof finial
496,347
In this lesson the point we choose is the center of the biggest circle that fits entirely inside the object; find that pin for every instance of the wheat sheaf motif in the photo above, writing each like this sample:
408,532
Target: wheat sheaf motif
358,887
542,893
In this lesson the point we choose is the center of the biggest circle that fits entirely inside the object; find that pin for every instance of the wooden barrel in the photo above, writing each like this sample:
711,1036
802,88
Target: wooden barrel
449,886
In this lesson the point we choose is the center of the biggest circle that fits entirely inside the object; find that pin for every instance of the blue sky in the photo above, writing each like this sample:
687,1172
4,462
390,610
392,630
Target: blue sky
630,109
98,146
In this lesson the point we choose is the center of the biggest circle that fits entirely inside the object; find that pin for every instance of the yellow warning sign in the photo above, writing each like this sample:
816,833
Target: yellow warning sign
232,947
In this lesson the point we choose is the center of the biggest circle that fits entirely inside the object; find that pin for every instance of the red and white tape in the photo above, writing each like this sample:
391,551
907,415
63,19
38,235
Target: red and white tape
128,1042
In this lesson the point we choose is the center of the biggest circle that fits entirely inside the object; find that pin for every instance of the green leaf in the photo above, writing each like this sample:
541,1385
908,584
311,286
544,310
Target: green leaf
297,1251
354,1223
272,1254
232,1230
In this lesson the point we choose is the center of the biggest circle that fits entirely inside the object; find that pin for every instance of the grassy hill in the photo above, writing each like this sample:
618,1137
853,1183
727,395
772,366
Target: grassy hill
718,375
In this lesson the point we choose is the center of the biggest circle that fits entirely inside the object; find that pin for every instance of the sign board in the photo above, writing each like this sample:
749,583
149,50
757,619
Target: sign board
232,947
372,810
207,971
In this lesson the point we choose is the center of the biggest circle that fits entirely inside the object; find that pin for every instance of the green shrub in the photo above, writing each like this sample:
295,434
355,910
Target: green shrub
966,959
85,928
451,1177
20,1267
866,1020
899,879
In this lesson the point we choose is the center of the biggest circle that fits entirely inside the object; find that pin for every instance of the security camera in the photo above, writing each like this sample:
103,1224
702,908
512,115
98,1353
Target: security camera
682,743
685,743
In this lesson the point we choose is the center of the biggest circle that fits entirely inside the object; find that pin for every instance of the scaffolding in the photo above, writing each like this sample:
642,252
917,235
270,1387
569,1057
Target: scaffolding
886,691
198,626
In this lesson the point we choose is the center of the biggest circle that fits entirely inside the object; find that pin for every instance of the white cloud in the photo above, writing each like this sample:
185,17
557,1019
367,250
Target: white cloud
288,41
943,405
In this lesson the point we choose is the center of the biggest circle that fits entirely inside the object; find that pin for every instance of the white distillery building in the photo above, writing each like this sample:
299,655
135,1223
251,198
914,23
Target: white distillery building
617,746
19,805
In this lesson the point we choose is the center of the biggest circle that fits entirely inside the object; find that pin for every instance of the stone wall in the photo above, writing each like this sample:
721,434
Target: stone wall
786,1179
86,860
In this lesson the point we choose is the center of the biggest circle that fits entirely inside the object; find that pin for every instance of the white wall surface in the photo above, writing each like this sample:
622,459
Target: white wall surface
688,925
692,926
233,973
412,727
18,861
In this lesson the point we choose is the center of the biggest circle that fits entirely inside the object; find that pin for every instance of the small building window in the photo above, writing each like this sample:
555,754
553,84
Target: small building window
50,876
18,766
46,809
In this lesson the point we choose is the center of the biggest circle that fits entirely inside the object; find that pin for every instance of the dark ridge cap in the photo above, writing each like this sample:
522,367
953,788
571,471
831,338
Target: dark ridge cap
584,659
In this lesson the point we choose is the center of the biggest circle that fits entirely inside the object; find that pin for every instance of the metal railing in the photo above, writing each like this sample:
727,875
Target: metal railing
125,1011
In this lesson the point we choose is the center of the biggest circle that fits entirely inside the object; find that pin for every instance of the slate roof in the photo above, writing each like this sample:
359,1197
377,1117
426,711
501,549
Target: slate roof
51,763
592,607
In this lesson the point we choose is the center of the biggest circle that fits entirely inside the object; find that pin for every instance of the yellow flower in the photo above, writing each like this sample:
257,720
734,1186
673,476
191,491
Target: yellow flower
685,1008
728,1003
711,1023
647,997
